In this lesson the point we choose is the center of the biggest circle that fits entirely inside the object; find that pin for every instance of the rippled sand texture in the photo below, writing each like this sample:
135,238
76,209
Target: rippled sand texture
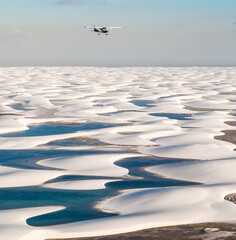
154,146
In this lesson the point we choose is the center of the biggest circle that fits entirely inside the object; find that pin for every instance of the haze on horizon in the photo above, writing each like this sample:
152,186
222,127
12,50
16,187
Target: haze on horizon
154,33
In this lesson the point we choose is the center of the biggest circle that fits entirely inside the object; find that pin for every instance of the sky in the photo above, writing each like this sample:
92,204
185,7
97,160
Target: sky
154,33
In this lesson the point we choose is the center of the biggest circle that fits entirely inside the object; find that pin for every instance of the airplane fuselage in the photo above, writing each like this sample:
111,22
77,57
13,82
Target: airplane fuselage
101,30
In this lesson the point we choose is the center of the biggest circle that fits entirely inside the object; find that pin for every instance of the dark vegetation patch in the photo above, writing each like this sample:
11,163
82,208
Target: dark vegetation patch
181,232
229,136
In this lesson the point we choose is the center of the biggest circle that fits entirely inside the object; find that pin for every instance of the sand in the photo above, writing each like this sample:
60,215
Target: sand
197,108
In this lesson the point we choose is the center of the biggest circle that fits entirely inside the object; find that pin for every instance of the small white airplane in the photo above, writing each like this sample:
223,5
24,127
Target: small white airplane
100,30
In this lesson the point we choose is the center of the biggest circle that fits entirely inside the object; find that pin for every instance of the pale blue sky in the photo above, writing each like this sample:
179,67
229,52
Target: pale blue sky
155,32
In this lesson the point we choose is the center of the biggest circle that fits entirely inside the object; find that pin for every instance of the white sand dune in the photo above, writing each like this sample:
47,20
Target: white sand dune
150,208
79,185
13,222
29,142
130,98
210,171
12,124
94,164
13,177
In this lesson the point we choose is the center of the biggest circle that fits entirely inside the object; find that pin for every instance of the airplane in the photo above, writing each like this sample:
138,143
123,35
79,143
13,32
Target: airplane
100,30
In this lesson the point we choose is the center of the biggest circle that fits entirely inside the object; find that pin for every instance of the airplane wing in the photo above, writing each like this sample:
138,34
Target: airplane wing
92,27
89,27
110,28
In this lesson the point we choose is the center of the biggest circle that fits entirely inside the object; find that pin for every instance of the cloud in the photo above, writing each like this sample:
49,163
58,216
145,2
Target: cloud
70,2
80,2
16,33
234,23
